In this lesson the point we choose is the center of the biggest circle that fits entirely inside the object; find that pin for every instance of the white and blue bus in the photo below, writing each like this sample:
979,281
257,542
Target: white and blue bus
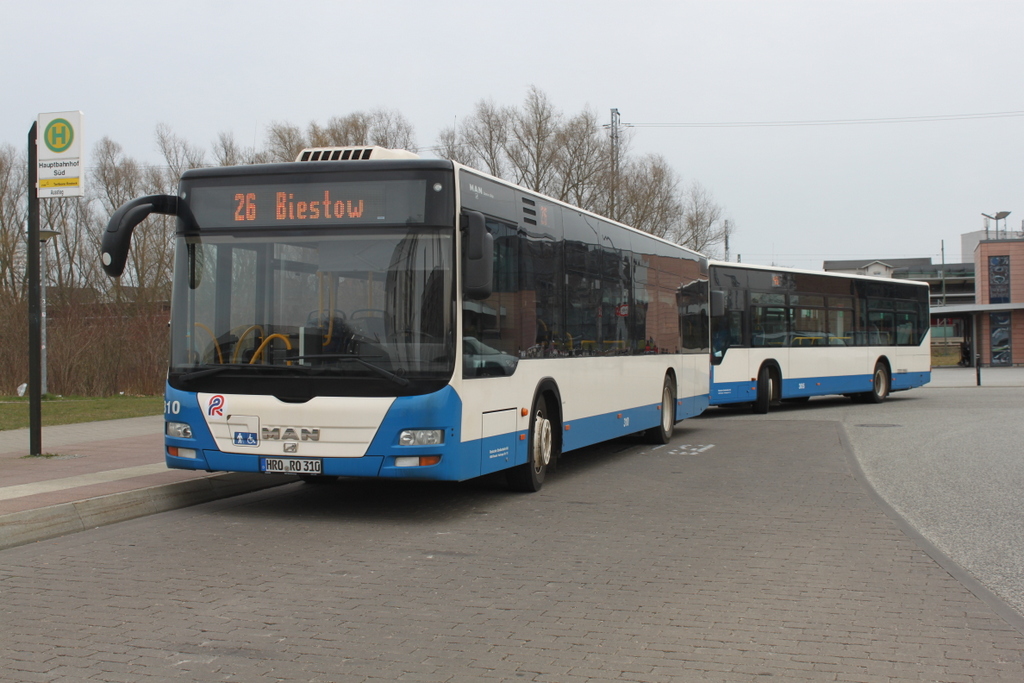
784,334
367,313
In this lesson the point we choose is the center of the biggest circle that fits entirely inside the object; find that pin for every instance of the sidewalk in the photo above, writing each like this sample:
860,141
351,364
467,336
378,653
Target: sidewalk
968,377
100,473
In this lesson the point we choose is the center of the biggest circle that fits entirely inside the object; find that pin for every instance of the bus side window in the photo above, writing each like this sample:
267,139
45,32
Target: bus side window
770,326
881,328
489,326
840,327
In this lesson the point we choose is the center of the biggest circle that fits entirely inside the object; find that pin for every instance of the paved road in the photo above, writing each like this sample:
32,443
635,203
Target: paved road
747,548
950,460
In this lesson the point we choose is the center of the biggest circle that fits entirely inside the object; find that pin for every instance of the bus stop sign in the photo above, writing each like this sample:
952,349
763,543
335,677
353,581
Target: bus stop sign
60,159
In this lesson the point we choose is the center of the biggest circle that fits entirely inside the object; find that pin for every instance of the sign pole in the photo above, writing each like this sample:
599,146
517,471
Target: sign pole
35,339
61,163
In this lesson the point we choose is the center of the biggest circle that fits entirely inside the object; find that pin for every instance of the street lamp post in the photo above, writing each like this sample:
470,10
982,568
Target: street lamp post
1001,216
44,236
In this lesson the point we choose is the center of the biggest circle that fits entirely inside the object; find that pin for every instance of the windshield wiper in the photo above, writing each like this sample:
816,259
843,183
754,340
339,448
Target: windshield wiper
205,372
217,369
386,374
297,369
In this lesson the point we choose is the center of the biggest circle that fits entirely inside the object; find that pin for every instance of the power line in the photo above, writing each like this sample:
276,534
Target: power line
831,122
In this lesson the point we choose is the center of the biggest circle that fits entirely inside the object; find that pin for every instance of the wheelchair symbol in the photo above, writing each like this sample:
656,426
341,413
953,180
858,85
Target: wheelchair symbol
246,439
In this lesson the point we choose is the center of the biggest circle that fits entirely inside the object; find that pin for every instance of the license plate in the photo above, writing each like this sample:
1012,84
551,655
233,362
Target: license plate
293,466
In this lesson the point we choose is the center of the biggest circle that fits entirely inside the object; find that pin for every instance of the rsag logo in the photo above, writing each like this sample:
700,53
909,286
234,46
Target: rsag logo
216,406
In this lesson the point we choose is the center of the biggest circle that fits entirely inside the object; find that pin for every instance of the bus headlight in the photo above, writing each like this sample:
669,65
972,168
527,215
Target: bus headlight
421,437
181,430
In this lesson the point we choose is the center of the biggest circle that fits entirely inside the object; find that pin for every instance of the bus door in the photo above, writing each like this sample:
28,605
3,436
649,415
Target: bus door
770,331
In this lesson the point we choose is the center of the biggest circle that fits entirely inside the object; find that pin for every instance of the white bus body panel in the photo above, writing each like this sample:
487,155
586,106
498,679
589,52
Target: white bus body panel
589,387
344,426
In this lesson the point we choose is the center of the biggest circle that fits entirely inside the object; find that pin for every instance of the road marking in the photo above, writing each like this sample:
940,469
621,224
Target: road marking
22,490
691,449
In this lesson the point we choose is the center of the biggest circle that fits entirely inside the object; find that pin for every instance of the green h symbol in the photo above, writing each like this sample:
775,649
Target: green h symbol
58,135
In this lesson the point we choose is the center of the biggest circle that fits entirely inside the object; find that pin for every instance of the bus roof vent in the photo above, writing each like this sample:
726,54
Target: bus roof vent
353,154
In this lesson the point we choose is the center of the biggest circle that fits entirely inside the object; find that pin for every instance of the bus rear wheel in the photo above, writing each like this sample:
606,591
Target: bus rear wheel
662,434
879,385
529,477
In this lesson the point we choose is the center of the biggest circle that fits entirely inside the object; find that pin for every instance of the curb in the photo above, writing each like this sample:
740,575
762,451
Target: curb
29,526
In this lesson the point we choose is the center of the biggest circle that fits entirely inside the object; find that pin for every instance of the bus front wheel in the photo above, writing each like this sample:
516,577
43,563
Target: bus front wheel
529,476
765,389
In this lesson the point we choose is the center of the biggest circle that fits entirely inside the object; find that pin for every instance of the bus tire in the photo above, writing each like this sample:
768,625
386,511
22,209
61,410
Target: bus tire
662,434
879,385
529,477
765,389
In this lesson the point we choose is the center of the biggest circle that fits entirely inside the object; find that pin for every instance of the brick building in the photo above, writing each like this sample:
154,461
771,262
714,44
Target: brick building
994,324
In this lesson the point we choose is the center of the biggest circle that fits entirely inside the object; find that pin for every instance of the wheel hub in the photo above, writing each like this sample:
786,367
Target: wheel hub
541,441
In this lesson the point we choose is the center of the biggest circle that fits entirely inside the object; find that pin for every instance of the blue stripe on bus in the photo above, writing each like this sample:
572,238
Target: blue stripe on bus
723,393
732,392
591,430
909,380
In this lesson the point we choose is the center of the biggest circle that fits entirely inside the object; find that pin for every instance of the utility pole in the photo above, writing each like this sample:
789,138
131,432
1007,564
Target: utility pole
726,231
615,160
943,272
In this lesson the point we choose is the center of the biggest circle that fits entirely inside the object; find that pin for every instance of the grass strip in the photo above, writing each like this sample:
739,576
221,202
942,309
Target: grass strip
62,410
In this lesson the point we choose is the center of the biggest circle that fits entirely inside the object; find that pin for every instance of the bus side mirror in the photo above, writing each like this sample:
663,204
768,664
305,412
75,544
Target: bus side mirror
717,303
478,273
118,235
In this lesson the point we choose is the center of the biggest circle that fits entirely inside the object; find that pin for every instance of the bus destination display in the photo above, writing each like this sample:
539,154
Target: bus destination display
309,204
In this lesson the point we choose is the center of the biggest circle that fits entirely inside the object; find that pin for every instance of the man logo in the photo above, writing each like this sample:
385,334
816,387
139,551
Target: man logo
290,434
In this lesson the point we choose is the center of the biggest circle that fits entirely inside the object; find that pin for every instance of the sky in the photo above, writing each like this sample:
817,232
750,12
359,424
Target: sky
796,194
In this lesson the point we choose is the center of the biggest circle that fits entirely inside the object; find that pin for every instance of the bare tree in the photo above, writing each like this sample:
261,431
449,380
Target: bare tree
571,160
702,228
485,135
120,179
390,129
648,197
71,266
342,131
227,152
532,143
13,252
284,142
179,154
13,217
582,165
452,145
381,127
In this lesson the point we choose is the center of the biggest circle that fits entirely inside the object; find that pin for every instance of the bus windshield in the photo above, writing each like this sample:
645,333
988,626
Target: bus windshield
348,312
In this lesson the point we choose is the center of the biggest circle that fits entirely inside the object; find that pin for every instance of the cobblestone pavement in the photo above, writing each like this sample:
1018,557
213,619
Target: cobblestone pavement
741,551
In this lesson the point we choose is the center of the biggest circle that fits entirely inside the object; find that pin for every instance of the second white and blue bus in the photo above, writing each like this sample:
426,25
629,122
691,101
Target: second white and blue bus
367,313
785,334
